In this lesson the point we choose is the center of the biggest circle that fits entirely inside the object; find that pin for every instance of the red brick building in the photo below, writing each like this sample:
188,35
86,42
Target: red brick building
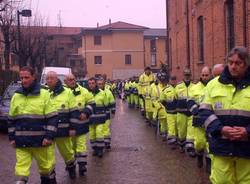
201,32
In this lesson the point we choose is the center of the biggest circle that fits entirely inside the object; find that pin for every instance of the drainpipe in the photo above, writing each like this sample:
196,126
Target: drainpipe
85,53
167,33
244,22
144,53
187,35
225,29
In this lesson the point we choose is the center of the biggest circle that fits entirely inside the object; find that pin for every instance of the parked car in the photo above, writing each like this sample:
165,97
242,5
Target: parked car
61,72
5,104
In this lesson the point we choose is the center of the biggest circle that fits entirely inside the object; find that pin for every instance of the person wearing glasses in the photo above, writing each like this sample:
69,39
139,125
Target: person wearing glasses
225,112
195,98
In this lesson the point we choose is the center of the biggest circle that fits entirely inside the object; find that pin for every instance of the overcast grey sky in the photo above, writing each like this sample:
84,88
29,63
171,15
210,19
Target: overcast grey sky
86,13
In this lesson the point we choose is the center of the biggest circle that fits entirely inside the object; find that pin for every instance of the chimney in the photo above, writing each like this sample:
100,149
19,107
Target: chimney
97,24
109,21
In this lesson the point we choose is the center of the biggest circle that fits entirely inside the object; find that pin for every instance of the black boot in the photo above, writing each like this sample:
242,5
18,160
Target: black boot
82,168
100,152
143,113
181,146
208,165
45,180
191,152
52,181
95,152
107,146
71,168
199,160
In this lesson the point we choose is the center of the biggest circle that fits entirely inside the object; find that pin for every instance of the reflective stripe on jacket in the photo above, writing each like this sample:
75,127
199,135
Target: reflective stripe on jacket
99,112
182,94
85,103
32,117
226,103
196,96
65,103
167,99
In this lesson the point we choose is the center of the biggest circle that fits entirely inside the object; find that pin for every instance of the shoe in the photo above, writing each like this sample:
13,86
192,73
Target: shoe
191,152
100,152
199,160
182,150
72,171
82,169
208,165
46,180
95,152
51,179
164,136
154,123
171,141
107,146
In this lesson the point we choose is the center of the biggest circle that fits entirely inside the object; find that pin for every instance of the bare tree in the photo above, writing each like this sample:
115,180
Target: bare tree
7,20
32,47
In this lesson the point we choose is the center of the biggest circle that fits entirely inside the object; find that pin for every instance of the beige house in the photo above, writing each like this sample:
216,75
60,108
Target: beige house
116,50
121,50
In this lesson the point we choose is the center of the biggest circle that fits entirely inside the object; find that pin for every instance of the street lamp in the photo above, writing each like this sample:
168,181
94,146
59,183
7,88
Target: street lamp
24,13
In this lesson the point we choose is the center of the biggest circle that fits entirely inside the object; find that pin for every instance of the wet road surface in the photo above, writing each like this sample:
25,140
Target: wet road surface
137,156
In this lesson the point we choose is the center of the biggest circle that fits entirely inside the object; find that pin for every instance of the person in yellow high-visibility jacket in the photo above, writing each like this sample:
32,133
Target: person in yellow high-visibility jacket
168,100
196,95
184,117
145,80
135,98
98,118
225,115
31,128
85,103
63,99
110,108
159,111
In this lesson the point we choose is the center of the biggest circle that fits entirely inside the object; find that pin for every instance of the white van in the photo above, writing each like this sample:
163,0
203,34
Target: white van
61,72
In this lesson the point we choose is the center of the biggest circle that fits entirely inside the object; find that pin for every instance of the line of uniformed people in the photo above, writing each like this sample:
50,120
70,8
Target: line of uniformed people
162,99
42,118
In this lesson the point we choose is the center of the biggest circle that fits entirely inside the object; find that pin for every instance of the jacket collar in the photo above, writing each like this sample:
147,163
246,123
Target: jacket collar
226,78
204,83
33,90
58,88
94,91
76,90
187,83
